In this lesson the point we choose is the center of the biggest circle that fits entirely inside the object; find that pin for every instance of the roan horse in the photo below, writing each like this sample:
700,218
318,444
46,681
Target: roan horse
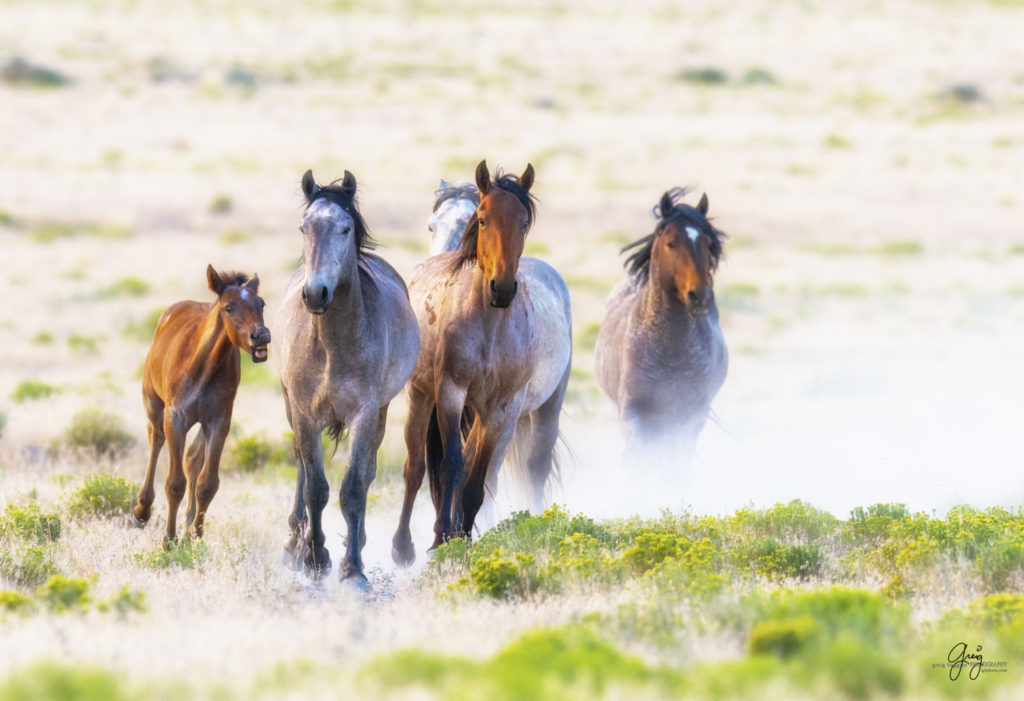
348,343
191,376
496,335
454,206
660,353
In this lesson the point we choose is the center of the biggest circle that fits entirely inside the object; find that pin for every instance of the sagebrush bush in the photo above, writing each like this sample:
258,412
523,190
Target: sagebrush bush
29,523
32,389
186,555
254,453
98,433
27,566
103,495
62,594
50,681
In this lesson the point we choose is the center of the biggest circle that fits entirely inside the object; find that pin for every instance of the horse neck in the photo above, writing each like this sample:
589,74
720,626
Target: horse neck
345,316
213,348
491,317
661,307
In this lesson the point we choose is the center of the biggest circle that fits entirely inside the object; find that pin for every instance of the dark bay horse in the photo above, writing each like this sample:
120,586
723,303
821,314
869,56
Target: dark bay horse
496,340
660,353
191,376
348,341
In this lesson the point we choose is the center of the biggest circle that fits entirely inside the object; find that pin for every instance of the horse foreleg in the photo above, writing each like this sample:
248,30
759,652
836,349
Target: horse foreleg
316,559
174,487
193,465
209,479
297,520
450,401
403,552
155,433
365,435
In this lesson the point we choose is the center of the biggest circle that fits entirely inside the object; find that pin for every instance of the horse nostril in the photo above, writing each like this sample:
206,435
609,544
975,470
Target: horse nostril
692,296
494,289
323,294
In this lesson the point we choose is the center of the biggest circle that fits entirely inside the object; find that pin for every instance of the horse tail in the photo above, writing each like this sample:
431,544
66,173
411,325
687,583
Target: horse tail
517,463
335,433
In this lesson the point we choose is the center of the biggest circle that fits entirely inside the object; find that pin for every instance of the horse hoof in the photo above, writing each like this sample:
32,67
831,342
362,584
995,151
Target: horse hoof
356,581
317,571
132,521
170,542
403,552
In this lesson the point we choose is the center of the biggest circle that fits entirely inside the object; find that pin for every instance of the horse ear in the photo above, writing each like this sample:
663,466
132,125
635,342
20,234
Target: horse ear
665,205
348,183
443,185
254,283
309,186
483,178
214,280
526,179
702,206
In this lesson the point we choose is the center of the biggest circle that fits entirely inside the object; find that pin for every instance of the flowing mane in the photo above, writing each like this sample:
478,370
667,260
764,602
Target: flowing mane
668,210
509,183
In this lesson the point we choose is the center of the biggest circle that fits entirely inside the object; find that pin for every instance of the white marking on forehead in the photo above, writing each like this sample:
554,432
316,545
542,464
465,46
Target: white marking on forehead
323,208
692,233
246,294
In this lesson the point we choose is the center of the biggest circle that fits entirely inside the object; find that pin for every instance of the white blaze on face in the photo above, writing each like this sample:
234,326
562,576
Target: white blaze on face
692,233
246,294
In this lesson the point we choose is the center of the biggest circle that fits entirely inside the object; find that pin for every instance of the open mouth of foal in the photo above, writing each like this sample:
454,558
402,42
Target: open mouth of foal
259,354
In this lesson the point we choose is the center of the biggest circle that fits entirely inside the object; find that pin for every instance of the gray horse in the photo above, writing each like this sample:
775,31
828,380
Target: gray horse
496,331
660,353
348,342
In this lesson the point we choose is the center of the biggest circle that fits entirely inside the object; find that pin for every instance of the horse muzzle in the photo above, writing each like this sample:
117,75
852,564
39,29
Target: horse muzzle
316,298
502,295
258,342
699,300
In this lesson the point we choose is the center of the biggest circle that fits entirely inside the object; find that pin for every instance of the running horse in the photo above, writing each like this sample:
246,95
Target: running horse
348,341
190,376
660,353
496,346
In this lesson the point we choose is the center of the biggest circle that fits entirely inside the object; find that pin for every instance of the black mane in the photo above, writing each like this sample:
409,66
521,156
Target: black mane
458,191
508,183
233,277
639,262
346,199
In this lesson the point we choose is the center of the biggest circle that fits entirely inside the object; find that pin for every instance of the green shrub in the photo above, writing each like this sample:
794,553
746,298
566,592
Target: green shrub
782,638
80,343
874,523
221,204
99,433
62,594
42,338
19,72
50,681
254,453
13,602
144,329
32,389
126,287
27,567
186,555
125,601
755,76
103,495
1000,564
500,577
454,553
708,75
29,523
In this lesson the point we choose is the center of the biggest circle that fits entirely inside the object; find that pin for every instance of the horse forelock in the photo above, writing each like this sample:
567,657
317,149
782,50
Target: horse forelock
509,183
233,277
459,191
347,201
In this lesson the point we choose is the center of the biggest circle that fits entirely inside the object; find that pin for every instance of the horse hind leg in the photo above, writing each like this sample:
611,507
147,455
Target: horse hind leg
209,478
155,433
315,558
193,465
539,451
421,410
174,486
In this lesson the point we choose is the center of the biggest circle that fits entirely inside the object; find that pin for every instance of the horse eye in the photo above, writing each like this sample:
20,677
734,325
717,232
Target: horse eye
483,223
229,309
670,244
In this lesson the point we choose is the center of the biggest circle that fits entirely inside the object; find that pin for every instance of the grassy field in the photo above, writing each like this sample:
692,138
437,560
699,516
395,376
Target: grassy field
853,513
